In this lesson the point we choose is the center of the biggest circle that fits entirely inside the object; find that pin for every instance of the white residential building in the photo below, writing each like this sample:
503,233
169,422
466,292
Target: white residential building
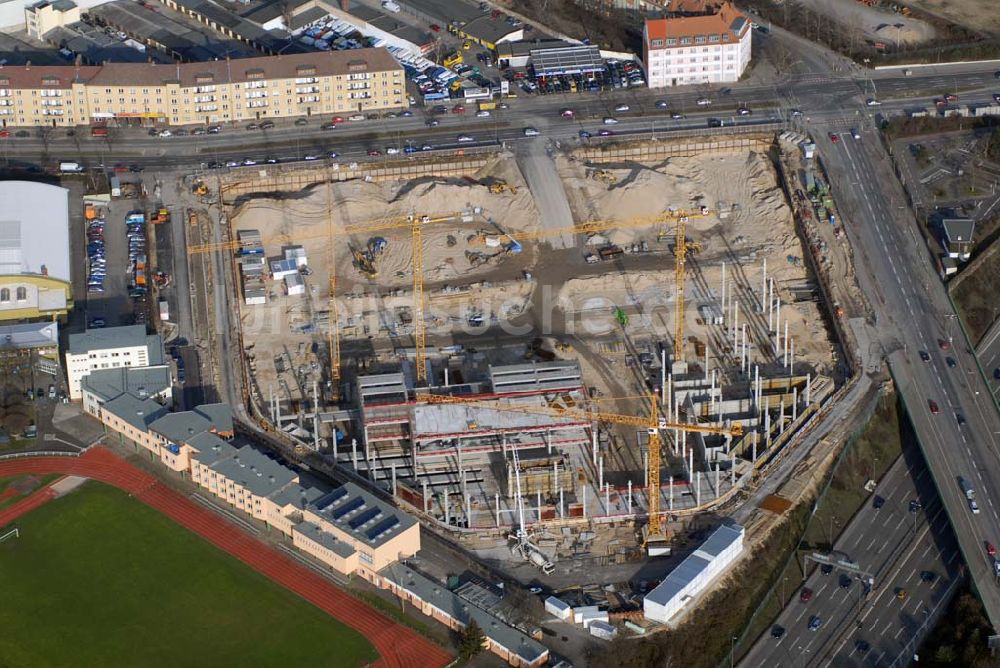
711,48
110,348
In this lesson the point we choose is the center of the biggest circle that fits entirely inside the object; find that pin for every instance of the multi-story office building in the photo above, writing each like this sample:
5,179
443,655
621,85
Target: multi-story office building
707,48
111,348
210,92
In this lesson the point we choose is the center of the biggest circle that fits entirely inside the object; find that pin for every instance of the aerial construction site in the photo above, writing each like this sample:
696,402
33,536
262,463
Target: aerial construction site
544,372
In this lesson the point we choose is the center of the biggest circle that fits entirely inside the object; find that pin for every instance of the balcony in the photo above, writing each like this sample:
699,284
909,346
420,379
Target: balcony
206,107
205,89
307,89
256,104
253,96
307,80
204,98
52,112
51,93
255,84
6,103
51,103
309,98
5,92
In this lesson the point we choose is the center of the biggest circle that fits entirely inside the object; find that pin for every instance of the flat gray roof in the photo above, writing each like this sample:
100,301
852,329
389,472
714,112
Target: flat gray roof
433,419
488,29
327,540
34,229
140,413
211,448
959,230
355,511
220,414
297,495
536,376
128,336
182,426
29,335
143,382
529,649
255,471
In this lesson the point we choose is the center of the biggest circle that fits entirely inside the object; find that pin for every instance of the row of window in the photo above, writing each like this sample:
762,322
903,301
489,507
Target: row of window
22,295
697,39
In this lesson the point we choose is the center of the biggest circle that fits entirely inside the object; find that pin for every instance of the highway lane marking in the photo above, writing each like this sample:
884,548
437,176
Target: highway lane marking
901,629
886,629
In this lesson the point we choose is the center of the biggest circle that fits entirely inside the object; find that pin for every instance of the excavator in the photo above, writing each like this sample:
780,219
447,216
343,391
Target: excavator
500,186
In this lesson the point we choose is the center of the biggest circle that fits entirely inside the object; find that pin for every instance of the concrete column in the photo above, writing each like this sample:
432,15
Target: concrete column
670,481
781,417
808,387
795,404
716,479
631,512
562,512
394,478
697,489
732,470
785,344
691,464
447,508
763,288
645,466
767,428
593,444
584,499
736,324
497,499
555,475
547,440
538,499
425,496
791,357
354,453
607,499
753,452
600,471
706,361
723,300
468,511
465,482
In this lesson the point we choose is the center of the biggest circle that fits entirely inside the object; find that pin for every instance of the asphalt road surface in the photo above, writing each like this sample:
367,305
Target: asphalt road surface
950,406
895,546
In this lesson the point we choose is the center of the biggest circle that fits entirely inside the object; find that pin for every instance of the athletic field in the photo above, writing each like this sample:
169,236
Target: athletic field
99,579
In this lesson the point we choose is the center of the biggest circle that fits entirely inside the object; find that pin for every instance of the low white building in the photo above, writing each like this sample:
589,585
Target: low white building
708,48
558,608
694,574
294,285
110,348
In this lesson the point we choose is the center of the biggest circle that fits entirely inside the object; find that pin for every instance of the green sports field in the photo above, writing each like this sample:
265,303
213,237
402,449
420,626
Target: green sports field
99,579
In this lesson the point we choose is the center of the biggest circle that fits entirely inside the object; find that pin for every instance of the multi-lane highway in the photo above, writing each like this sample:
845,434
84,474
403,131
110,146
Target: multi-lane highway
947,397
901,549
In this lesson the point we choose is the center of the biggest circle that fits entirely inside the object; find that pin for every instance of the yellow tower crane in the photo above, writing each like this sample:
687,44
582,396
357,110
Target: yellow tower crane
333,313
681,248
653,424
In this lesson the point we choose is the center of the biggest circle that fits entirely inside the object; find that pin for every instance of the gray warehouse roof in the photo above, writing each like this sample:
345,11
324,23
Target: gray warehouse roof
362,515
451,604
34,229
535,376
211,448
695,563
180,427
29,335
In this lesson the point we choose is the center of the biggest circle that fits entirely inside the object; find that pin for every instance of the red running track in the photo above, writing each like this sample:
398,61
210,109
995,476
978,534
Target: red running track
397,645
27,504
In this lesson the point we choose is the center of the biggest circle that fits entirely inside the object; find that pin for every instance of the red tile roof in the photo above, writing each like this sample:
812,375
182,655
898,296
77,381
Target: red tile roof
727,20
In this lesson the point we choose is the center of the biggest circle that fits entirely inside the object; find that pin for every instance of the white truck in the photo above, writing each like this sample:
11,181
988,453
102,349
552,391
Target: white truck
391,6
70,167
970,495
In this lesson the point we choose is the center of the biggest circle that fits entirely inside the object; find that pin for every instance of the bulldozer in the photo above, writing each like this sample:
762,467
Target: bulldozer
364,262
501,186
604,176
200,188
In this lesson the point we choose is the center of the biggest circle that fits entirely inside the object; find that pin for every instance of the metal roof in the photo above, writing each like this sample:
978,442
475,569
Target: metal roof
958,230
536,376
324,538
568,60
694,564
29,335
255,471
438,419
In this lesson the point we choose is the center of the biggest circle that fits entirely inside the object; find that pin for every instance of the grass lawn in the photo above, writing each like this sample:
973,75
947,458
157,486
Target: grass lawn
975,298
99,579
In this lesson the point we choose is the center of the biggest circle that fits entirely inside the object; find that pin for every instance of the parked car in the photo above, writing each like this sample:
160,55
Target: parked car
610,120
806,595
267,125
815,622
621,107
661,104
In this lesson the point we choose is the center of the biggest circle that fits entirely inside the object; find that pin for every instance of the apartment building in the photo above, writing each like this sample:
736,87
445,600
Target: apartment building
111,348
707,48
219,91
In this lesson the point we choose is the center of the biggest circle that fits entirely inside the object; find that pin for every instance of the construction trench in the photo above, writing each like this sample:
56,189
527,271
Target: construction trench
529,405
